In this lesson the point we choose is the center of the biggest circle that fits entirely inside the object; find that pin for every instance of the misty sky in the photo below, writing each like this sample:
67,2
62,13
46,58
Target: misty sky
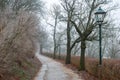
115,14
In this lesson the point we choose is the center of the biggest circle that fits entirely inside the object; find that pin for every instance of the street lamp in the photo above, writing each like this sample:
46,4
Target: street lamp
100,15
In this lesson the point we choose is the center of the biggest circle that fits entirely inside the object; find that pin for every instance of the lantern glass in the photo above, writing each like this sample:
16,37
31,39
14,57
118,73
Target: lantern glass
100,15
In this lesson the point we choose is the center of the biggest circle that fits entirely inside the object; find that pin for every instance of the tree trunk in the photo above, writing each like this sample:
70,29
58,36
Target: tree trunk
82,57
54,38
59,52
54,55
41,49
68,56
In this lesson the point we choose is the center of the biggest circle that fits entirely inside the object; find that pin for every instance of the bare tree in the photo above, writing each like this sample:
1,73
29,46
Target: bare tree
80,15
85,25
55,13
69,7
113,42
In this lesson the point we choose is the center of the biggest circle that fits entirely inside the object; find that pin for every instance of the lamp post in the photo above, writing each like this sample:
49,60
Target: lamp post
100,15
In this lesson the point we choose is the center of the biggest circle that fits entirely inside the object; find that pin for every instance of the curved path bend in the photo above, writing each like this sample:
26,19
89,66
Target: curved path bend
52,70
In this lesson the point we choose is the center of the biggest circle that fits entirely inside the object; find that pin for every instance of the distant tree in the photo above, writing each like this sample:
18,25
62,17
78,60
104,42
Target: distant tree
55,14
42,37
113,47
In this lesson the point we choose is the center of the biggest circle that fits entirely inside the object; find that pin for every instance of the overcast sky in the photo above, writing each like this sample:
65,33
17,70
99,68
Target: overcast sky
115,14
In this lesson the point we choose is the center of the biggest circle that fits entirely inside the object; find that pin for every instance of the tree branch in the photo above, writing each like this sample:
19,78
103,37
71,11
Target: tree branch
77,29
76,41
